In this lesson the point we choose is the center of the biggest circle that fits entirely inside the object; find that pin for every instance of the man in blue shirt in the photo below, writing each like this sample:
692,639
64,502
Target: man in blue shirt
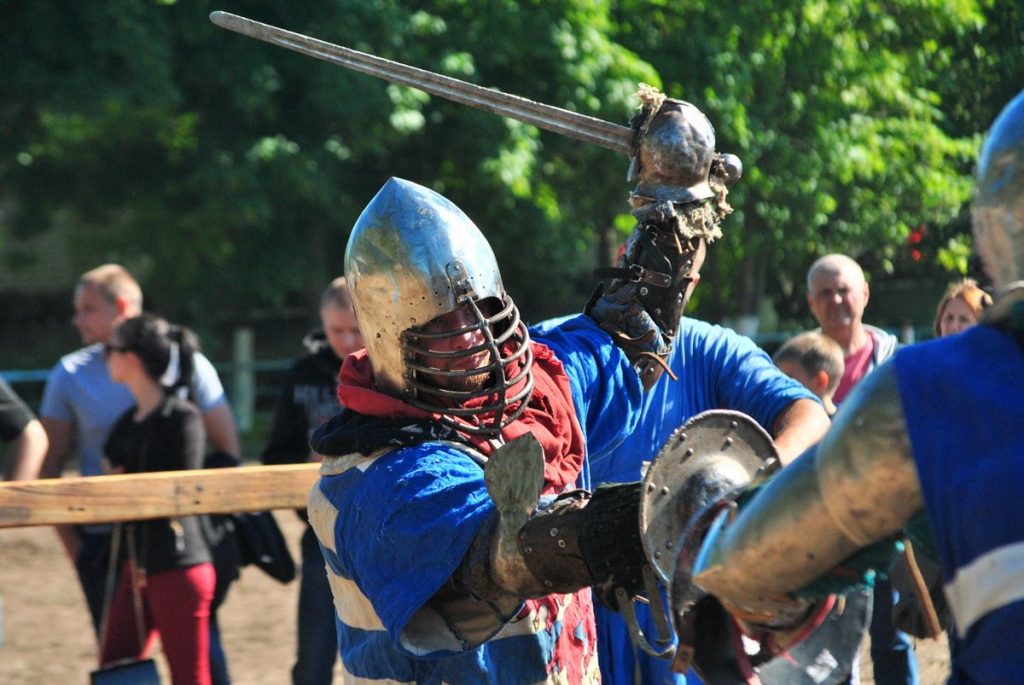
81,404
714,368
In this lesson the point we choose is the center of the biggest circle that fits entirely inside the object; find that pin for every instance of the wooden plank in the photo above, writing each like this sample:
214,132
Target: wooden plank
104,499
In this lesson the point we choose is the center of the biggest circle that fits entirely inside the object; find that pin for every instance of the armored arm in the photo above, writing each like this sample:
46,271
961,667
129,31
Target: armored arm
855,488
678,204
579,539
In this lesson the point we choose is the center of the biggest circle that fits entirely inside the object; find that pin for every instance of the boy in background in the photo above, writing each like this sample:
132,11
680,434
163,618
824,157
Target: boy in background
816,362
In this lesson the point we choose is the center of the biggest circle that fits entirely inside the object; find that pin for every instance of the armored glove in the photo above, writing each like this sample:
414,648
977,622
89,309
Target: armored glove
580,539
640,307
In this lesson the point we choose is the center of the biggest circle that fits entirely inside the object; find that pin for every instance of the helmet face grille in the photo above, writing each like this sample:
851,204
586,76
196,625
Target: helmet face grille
484,387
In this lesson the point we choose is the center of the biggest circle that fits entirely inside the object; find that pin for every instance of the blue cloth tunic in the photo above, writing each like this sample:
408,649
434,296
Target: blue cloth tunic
964,410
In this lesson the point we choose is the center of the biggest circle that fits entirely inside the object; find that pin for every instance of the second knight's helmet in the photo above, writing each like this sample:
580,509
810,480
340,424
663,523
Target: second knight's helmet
998,206
414,256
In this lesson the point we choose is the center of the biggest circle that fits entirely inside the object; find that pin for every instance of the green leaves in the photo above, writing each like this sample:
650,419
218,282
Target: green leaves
228,172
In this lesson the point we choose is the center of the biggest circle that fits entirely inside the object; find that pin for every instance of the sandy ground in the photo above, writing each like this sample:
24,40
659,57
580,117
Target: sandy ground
48,641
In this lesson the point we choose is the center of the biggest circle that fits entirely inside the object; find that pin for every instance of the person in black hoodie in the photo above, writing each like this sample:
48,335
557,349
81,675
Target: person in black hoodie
308,398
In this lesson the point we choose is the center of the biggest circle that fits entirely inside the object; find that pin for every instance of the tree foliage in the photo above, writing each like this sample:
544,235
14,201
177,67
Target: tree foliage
834,108
227,172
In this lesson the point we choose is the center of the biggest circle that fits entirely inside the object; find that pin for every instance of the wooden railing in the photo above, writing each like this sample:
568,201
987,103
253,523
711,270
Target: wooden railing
105,499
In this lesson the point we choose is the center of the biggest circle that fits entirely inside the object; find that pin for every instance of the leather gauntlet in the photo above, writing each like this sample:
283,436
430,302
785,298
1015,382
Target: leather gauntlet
641,303
579,539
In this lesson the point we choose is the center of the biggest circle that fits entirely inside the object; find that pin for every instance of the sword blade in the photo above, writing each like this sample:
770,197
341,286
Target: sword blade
555,119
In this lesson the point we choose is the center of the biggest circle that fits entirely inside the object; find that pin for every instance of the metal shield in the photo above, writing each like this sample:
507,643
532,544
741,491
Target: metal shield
713,453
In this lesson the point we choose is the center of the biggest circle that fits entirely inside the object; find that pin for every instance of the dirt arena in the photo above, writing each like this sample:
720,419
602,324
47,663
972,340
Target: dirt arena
48,641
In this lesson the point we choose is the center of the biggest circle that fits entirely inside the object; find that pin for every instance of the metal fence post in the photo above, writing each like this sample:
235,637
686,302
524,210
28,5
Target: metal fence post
243,385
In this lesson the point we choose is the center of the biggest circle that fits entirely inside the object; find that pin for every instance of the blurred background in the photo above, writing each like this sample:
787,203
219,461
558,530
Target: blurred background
226,173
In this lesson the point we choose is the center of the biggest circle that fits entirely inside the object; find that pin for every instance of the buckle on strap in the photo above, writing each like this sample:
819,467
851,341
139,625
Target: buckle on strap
635,274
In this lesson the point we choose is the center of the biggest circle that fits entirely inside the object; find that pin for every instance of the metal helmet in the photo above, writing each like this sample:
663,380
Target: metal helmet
998,206
676,154
414,256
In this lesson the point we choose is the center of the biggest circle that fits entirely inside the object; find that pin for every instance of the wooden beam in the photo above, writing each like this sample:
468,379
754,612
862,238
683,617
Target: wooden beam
105,499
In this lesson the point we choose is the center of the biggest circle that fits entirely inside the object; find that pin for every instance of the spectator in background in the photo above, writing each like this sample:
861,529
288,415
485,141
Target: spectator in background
816,362
167,559
81,404
960,307
22,430
838,293
308,398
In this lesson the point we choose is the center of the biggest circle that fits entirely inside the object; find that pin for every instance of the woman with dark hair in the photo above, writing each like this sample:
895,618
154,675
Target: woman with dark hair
167,559
960,307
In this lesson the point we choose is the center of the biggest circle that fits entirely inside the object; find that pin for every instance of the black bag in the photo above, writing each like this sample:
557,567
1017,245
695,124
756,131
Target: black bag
261,543
225,551
259,539
126,672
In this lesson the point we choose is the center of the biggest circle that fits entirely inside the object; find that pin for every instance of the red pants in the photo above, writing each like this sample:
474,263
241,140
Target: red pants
175,606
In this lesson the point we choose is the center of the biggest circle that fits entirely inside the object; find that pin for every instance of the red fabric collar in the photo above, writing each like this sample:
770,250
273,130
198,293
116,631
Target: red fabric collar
549,415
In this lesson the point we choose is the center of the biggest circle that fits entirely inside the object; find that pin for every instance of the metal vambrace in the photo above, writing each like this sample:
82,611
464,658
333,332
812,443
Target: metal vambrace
641,305
579,540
